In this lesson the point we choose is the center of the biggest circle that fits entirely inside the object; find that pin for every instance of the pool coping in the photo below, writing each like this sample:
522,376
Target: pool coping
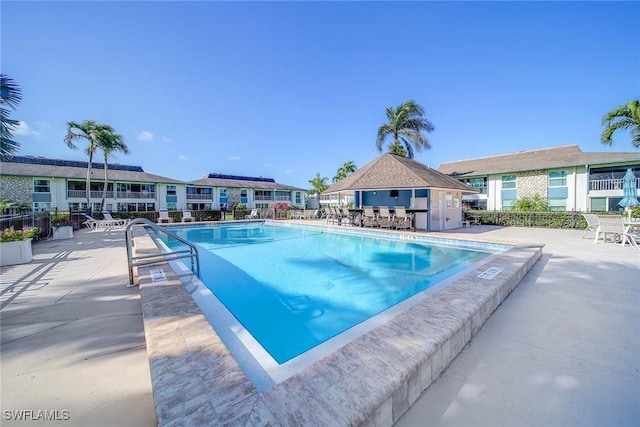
372,380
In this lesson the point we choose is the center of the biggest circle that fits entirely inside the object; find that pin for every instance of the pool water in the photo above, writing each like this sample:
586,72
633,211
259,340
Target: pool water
295,288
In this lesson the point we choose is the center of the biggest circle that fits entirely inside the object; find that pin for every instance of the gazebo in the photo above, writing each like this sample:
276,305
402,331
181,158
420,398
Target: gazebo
392,180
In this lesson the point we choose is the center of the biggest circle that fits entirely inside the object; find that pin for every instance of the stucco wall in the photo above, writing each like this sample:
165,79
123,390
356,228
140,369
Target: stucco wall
18,189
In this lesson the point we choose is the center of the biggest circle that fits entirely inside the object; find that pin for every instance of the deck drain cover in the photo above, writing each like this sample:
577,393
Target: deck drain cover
490,273
157,275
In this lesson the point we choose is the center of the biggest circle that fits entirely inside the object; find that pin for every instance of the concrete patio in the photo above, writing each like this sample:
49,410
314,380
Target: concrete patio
562,349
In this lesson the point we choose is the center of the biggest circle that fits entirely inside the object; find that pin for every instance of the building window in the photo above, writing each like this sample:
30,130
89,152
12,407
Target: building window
262,195
41,186
244,198
171,190
223,196
136,207
558,179
507,204
298,197
283,195
556,205
508,182
39,206
598,204
199,206
477,183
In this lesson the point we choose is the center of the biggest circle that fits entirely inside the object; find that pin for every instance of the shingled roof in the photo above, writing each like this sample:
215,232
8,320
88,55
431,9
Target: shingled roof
44,167
546,158
243,183
390,171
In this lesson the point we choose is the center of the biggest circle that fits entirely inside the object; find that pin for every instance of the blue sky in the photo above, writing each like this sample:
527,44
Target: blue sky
288,89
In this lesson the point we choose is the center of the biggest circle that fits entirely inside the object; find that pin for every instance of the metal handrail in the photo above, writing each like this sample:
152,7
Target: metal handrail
136,261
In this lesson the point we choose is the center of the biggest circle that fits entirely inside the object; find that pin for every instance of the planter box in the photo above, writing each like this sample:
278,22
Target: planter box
64,232
12,253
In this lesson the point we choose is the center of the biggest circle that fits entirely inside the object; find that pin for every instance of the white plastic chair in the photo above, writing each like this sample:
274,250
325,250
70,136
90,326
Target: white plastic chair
186,216
163,216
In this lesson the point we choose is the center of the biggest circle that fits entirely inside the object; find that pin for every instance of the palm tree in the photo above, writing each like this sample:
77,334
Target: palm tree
11,95
405,124
530,204
92,132
626,116
319,184
344,170
110,143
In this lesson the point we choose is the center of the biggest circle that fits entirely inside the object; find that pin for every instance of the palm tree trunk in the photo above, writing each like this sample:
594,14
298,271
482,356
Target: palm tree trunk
104,189
89,181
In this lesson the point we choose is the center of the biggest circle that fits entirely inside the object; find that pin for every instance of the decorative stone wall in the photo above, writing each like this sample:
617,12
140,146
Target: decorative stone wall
233,197
531,183
18,189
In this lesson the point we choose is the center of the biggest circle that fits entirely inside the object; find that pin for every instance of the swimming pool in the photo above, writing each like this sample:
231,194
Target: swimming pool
294,288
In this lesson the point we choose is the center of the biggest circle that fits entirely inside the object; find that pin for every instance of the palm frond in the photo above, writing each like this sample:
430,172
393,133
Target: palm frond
10,92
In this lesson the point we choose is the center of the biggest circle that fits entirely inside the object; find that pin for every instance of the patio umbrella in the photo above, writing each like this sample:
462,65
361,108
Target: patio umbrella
629,191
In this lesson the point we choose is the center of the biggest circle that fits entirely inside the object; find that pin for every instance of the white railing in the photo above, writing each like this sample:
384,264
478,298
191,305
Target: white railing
199,197
81,194
608,184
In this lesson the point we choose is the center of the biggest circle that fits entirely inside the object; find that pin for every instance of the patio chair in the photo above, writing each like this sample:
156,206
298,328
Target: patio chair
347,216
329,214
384,217
401,218
592,223
163,216
369,217
115,221
186,216
610,226
253,215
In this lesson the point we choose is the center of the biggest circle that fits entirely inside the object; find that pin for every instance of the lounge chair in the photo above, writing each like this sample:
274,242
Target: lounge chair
384,217
369,217
186,216
94,224
592,223
401,219
253,215
89,222
163,216
116,221
633,239
610,227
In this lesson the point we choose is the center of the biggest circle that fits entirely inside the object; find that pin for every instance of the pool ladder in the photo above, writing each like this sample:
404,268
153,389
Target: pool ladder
141,260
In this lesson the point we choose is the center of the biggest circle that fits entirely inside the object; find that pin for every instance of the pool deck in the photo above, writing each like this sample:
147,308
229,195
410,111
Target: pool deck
562,349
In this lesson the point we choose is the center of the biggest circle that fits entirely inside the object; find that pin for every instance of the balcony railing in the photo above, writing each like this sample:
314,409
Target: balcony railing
199,196
608,184
81,194
258,197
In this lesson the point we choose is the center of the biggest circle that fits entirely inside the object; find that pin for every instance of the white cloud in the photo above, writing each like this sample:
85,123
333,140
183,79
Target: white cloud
145,135
23,129
266,165
234,158
289,171
165,139
182,157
